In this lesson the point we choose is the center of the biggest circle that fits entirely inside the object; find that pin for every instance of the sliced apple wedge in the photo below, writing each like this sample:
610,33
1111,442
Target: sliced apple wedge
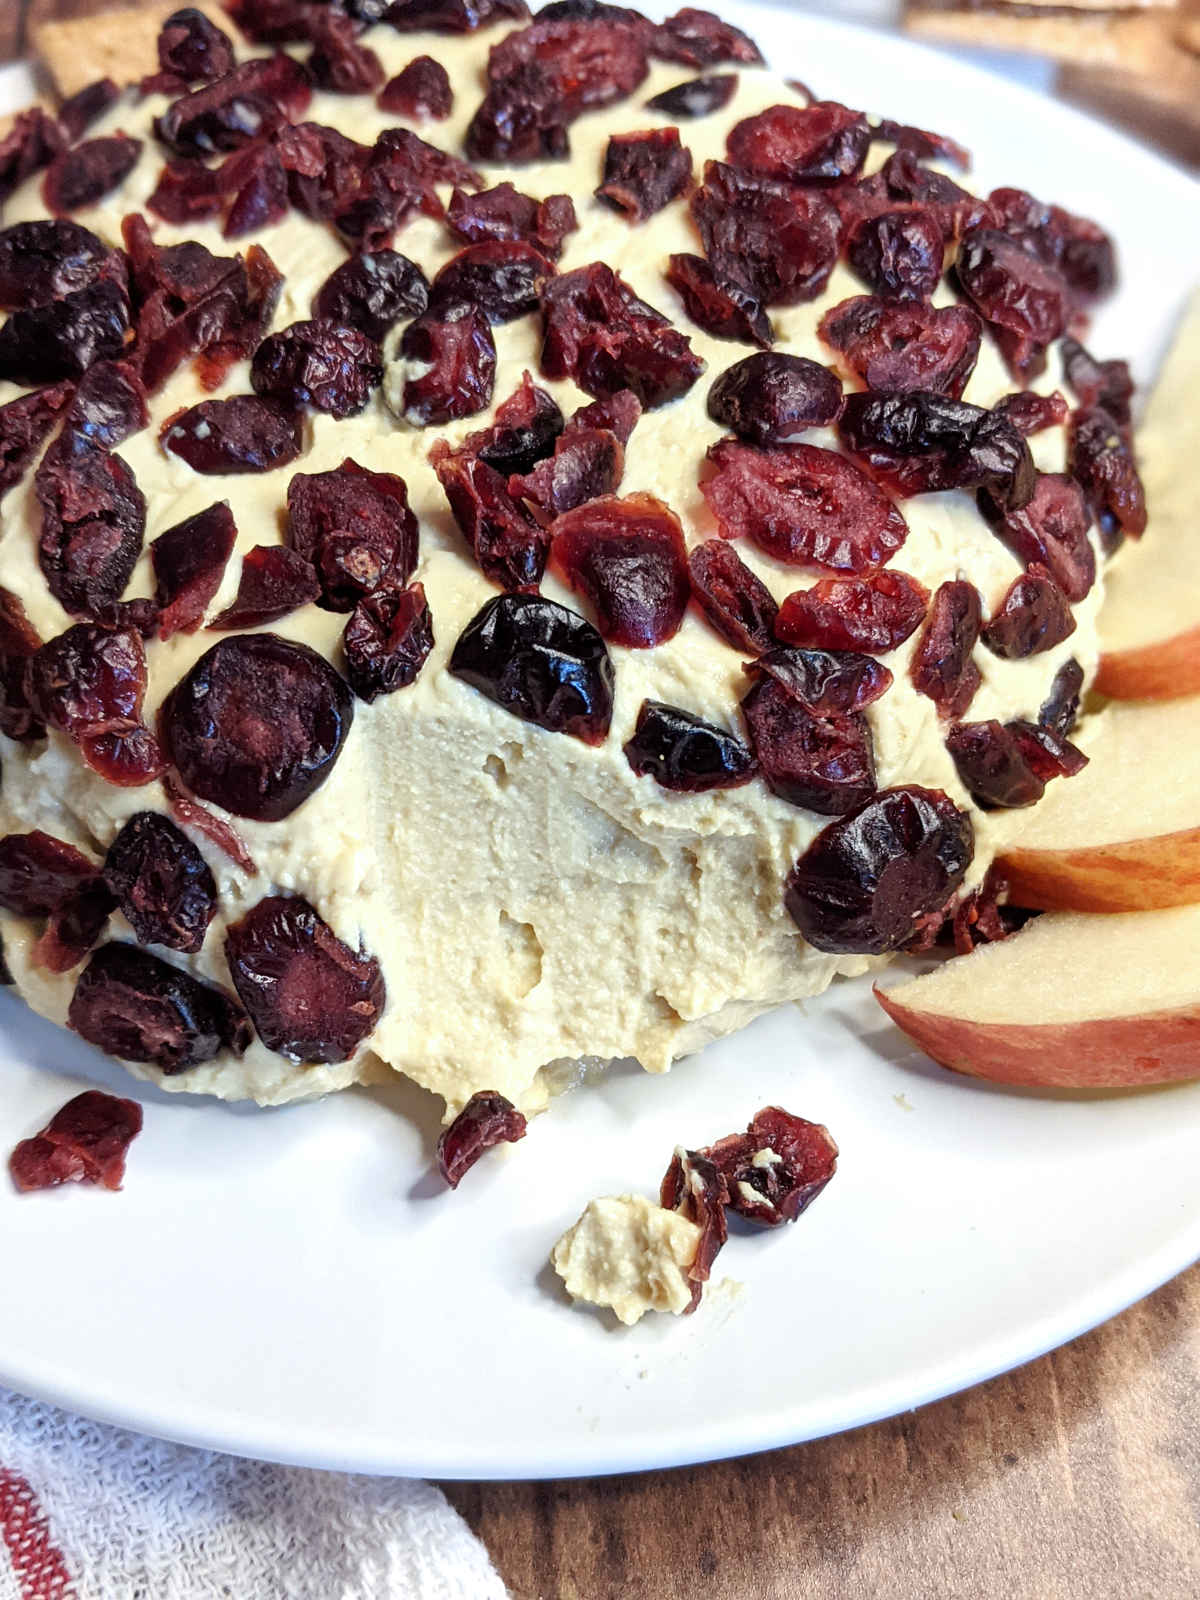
1070,1002
1150,622
1123,834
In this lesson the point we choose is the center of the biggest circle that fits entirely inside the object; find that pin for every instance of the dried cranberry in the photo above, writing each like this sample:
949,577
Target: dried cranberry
825,764
130,758
866,881
509,546
241,434
1108,384
162,883
1052,530
132,1005
85,1141
194,48
598,332
421,89
339,62
43,261
372,292
1060,710
487,1119
902,180
273,21
248,103
18,641
323,167
30,144
309,995
186,191
257,725
93,521
39,873
698,97
540,661
1048,754
898,254
523,432
829,683
399,178
1101,461
87,105
627,557
643,172
587,463
767,399
736,602
588,64
63,339
260,188
821,143
25,425
942,665
75,927
460,354
694,1187
895,348
89,683
922,442
108,407
320,364
771,1173
919,142
619,413
1033,616
274,582
523,117
1024,301
992,766
194,815
700,39
189,562
503,213
803,505
685,754
875,614
355,527
777,239
724,309
387,640
1079,248
503,280
1030,412
451,16
82,176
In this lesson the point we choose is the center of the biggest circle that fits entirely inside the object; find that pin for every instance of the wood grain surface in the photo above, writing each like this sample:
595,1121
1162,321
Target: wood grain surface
1074,1478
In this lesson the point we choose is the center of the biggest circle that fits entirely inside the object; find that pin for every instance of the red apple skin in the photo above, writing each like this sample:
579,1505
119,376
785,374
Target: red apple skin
1134,875
1099,1053
1169,669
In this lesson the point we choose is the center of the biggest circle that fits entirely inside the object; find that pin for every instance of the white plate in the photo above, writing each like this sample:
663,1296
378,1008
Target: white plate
293,1284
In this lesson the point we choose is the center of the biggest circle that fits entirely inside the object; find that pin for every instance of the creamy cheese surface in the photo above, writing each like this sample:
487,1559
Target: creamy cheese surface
530,899
629,1255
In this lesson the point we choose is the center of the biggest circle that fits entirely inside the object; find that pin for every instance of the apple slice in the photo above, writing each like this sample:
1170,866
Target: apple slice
1150,621
1070,1002
1123,834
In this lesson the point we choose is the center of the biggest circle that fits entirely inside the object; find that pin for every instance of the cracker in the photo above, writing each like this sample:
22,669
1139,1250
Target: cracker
121,44
1119,40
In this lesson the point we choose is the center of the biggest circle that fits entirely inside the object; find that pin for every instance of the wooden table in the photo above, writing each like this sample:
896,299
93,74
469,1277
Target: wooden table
1075,1478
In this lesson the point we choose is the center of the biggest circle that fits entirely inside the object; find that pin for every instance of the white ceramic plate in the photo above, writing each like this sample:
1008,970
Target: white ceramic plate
293,1284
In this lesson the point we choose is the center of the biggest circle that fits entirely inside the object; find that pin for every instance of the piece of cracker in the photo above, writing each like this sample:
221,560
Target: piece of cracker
119,44
1186,27
1121,40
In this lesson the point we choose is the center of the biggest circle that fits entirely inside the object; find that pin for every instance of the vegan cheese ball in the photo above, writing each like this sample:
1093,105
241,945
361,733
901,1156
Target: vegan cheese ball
521,540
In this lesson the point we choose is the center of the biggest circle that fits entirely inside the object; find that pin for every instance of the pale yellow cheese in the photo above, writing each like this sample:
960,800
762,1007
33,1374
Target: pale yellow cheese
629,1255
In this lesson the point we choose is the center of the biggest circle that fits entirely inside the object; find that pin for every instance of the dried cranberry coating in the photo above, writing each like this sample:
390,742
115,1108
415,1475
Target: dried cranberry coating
921,143
89,684
619,413
339,62
825,764
587,64
421,89
242,434
627,557
372,292
829,683
796,1159
874,614
779,240
523,118
1024,301
503,280
30,144
992,766
85,1141
903,181
523,431
1079,248
921,442
139,1008
803,505
503,213
18,641
187,191
460,354
598,332
822,143
1108,384
487,1119
1101,460
355,527
685,754
866,881
189,562
1052,530
1033,617
942,664
323,167
896,347
509,546
248,103
83,175
1030,412
162,883
309,995
191,46
108,407
540,661
387,640
63,339
259,183
130,757
274,582
193,815
451,16
1048,754
25,425
39,873
1060,710
44,260
257,725
643,172
767,399
898,254
701,39
93,522
399,178
735,600
321,364
587,463
698,97
726,310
